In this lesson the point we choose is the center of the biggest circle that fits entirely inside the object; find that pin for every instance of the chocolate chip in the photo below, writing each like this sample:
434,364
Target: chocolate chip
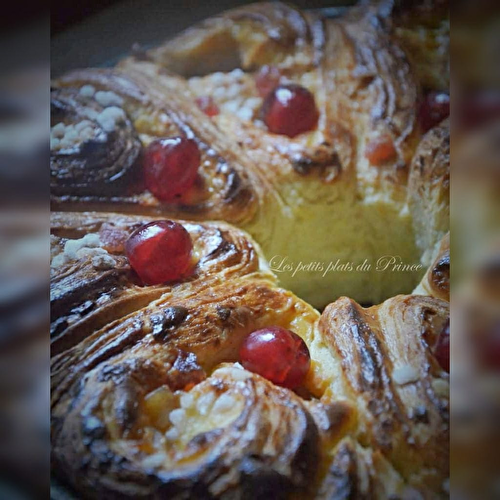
325,159
171,318
441,273
223,313
302,165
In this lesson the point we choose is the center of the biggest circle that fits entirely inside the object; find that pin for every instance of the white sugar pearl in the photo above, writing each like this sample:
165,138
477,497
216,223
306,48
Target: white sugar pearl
82,125
177,417
87,91
187,400
58,130
224,403
205,402
105,98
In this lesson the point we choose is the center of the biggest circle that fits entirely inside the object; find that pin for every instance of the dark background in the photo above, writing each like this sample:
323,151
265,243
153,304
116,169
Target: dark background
97,33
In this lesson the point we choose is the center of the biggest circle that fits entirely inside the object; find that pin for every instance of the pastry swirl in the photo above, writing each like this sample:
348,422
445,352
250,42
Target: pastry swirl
223,188
429,189
234,433
86,294
400,389
153,401
436,281
148,396
273,186
99,165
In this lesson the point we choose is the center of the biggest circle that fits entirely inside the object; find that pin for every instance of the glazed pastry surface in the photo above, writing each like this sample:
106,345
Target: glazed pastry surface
436,281
149,398
314,199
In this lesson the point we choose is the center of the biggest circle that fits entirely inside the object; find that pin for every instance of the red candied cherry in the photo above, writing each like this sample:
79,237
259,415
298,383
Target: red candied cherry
434,109
267,79
277,354
159,251
290,110
380,150
171,166
207,105
442,348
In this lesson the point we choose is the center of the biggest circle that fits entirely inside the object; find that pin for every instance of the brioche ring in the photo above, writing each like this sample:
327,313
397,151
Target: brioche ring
314,198
149,395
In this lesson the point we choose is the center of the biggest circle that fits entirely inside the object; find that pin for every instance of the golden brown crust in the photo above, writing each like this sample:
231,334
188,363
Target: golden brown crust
85,296
422,28
357,472
273,186
268,446
436,281
429,189
363,82
226,188
148,398
381,418
104,376
388,369
246,37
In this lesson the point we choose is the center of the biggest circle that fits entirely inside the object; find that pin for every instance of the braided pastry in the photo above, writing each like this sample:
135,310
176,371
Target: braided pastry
153,394
148,397
429,187
436,281
336,193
